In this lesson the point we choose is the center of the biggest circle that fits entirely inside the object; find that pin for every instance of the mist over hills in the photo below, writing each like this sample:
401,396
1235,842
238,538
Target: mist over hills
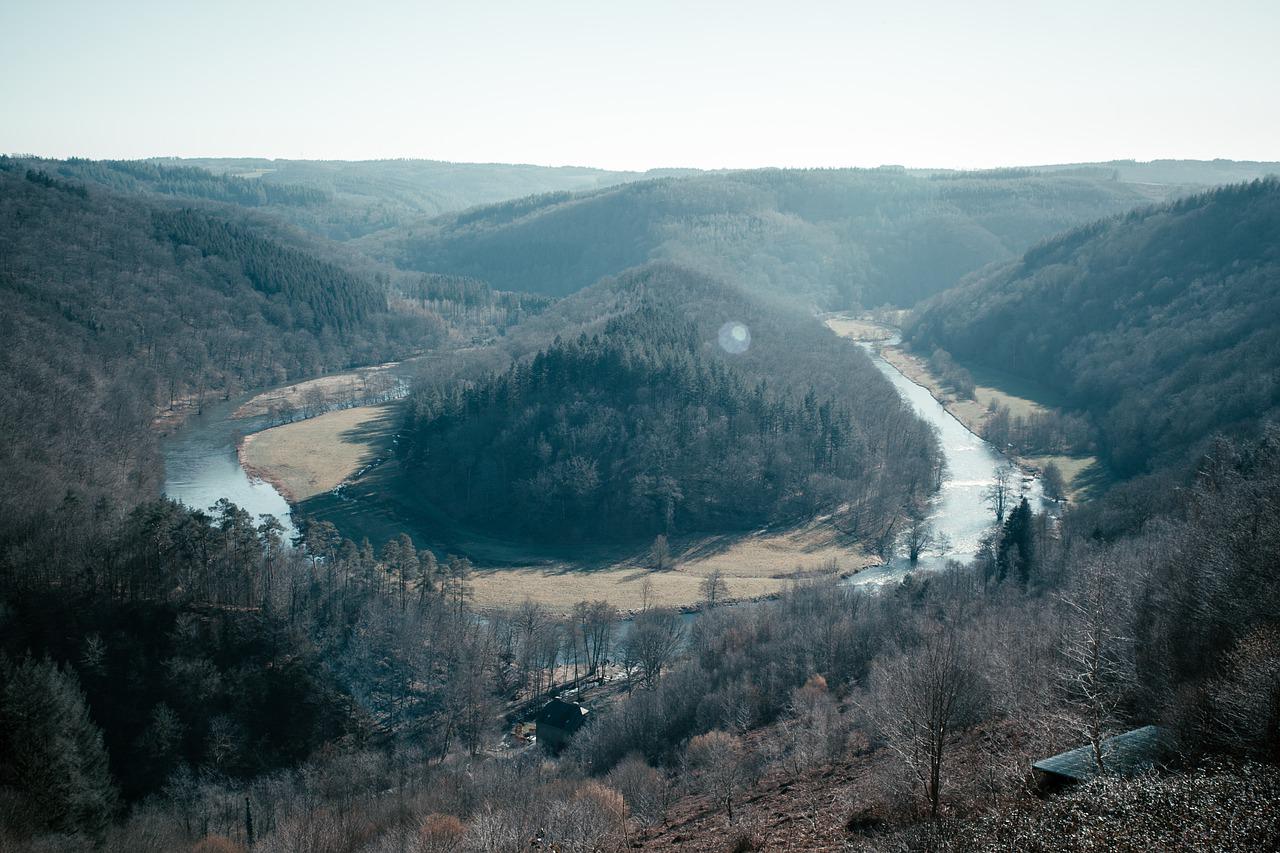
832,238
375,194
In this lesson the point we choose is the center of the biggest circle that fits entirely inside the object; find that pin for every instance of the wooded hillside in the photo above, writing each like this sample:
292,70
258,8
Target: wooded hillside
338,200
115,307
651,425
1160,324
831,237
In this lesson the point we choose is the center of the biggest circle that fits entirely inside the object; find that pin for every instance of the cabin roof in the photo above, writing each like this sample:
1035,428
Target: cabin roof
1123,755
562,715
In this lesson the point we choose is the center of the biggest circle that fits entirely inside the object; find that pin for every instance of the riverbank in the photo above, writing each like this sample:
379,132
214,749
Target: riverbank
973,414
754,567
338,467
383,504
365,385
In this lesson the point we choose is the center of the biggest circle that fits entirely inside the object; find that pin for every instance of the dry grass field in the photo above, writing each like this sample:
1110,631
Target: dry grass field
753,566
306,458
859,330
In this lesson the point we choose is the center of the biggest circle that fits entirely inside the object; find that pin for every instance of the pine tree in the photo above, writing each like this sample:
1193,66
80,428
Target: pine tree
53,752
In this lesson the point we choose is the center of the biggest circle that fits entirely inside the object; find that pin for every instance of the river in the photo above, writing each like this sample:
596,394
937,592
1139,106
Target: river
959,512
201,466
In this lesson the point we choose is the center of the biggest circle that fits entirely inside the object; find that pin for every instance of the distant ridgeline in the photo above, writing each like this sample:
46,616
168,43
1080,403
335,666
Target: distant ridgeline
831,237
649,425
141,176
337,200
1160,324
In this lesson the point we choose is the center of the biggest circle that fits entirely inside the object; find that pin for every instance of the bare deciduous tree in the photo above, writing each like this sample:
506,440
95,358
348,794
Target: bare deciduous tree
660,553
1097,656
999,494
655,638
921,536
645,790
714,588
917,699
721,763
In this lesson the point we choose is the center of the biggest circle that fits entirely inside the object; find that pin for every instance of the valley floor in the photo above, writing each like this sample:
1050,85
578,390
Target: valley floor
324,467
317,465
310,457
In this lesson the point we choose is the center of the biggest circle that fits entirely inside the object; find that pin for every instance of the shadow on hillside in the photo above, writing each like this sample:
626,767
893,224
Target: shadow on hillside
1092,481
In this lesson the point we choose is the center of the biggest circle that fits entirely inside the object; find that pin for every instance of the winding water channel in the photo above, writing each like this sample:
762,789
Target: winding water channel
958,512
201,466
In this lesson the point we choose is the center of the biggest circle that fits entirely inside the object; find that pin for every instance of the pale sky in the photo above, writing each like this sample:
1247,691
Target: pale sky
651,83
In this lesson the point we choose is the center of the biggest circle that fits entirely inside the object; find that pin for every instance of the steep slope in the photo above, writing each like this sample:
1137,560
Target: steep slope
1160,324
694,408
831,237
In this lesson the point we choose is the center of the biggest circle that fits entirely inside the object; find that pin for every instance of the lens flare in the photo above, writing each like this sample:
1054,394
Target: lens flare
735,337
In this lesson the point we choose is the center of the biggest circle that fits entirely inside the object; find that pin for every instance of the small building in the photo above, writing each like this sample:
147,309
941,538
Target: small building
557,722
1122,755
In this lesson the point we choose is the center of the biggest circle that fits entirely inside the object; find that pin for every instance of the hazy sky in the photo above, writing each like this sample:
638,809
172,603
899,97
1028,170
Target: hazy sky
965,83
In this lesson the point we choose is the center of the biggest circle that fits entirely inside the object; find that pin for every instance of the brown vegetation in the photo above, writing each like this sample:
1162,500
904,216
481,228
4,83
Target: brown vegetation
309,457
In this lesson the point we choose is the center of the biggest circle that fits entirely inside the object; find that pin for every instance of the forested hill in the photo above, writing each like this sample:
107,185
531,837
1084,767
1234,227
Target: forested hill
115,307
668,419
837,238
1160,324
387,192
334,199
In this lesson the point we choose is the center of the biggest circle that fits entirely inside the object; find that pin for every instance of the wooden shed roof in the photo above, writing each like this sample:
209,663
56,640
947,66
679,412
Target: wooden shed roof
1123,755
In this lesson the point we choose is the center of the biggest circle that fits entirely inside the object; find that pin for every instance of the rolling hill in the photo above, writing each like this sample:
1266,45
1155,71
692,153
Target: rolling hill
834,238
689,407
1160,324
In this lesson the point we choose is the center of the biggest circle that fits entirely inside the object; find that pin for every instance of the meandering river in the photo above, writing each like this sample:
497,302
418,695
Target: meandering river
958,512
201,466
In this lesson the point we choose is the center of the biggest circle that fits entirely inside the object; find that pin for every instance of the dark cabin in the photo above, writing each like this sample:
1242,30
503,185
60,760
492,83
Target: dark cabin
557,722
1122,755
